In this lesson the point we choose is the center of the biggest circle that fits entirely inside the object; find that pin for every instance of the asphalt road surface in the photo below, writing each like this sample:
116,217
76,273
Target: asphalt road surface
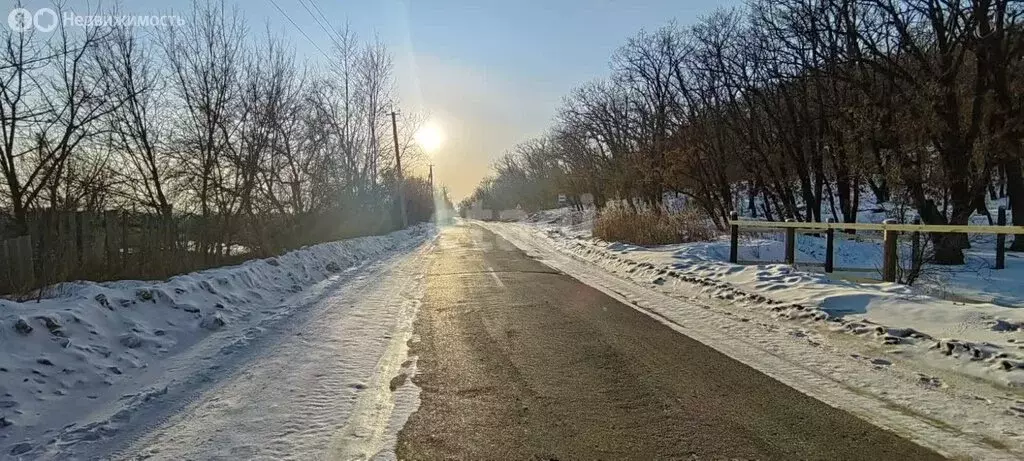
517,361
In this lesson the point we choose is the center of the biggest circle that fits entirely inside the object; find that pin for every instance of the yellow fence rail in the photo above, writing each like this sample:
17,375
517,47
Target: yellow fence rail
890,229
1017,230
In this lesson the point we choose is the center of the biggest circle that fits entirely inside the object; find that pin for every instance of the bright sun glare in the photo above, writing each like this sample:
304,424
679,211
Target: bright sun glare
430,137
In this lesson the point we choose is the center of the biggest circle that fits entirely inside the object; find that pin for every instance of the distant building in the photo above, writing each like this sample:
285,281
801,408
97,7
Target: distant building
477,211
512,215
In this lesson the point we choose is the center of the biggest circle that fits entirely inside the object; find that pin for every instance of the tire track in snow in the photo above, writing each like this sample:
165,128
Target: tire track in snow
364,434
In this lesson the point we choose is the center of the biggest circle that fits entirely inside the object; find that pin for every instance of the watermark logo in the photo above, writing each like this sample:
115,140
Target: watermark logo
46,20
21,20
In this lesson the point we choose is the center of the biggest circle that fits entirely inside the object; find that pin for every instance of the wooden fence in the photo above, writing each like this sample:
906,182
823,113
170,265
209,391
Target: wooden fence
114,245
64,246
890,230
16,268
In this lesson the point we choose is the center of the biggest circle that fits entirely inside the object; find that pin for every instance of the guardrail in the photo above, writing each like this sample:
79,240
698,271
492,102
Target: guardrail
890,229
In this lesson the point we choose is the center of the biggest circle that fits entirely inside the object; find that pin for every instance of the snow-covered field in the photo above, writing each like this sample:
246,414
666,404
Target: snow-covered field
946,373
90,370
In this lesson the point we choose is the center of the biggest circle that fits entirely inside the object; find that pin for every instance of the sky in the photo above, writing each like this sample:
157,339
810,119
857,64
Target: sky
489,74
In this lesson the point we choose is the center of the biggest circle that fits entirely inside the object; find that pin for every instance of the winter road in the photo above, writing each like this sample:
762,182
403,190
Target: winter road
517,361
512,360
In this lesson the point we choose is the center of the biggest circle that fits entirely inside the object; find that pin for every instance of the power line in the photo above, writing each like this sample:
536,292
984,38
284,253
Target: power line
317,20
318,10
272,2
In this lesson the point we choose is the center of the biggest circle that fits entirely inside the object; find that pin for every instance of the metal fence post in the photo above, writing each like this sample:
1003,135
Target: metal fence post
734,238
790,244
889,253
1001,241
830,237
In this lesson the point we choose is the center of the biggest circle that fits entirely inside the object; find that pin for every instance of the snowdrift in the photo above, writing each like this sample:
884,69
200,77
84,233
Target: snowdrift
62,354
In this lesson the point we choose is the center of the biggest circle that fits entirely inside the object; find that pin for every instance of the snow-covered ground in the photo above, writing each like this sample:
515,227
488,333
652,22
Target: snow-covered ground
90,370
860,257
946,373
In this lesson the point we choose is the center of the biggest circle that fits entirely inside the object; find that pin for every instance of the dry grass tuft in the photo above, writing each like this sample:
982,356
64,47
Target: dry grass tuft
620,224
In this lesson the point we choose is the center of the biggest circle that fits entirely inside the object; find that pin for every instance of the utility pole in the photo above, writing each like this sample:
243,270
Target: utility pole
433,198
398,167
431,179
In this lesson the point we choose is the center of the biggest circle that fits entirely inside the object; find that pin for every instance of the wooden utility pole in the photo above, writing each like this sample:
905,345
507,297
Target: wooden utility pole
398,170
431,179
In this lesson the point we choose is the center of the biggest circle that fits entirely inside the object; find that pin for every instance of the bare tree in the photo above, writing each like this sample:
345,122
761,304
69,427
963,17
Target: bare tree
205,57
51,94
138,127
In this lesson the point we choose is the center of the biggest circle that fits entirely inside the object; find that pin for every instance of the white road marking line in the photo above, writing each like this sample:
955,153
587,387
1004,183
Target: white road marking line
490,270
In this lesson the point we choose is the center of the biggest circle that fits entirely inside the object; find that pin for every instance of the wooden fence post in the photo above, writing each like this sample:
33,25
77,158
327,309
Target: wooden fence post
6,266
79,241
79,269
125,244
87,249
177,262
43,246
95,251
790,244
830,239
17,271
110,245
916,258
23,262
147,241
889,253
65,244
1001,241
734,238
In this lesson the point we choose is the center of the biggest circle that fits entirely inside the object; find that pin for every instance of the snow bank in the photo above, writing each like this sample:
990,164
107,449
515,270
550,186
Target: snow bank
987,340
62,354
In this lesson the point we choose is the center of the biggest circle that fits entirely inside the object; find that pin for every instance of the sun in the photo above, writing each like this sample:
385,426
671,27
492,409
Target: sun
429,137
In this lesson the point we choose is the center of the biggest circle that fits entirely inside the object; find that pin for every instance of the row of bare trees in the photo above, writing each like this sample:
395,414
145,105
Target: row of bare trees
201,117
798,109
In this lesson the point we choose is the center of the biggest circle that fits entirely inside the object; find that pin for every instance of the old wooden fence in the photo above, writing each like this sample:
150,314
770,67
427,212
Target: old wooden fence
64,246
890,229
114,245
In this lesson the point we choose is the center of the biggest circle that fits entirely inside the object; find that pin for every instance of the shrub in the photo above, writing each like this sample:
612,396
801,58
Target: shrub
620,224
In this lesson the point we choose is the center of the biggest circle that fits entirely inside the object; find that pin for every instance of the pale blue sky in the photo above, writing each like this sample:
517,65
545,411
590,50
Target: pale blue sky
490,73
